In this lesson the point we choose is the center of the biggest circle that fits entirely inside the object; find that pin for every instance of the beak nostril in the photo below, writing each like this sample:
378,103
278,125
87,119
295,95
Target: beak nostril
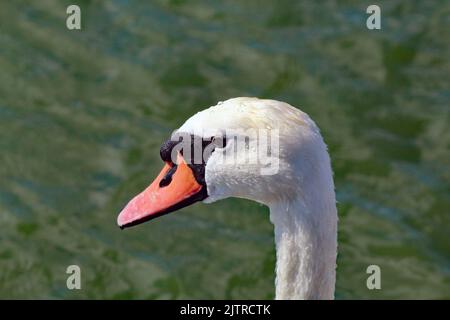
168,177
165,182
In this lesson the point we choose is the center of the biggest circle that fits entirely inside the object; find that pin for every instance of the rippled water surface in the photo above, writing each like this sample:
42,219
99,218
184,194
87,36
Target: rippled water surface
82,116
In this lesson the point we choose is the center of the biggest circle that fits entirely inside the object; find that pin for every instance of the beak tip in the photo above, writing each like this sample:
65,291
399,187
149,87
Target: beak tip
121,221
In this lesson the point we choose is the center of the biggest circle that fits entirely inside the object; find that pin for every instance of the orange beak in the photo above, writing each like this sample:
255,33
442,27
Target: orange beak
174,188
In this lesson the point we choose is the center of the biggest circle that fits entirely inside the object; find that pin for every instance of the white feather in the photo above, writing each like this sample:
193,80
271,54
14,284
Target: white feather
300,195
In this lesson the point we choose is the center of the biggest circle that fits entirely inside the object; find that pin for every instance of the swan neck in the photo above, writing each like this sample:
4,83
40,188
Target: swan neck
306,244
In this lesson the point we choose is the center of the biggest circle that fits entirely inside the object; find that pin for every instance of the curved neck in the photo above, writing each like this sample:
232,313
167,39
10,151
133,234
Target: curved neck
306,245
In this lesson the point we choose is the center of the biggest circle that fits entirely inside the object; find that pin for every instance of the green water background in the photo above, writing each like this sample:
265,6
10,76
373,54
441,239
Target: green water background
83,113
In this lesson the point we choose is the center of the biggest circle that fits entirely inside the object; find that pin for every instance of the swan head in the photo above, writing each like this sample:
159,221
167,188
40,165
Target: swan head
258,149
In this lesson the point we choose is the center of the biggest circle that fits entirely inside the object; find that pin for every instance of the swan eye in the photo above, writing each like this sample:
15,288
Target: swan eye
219,141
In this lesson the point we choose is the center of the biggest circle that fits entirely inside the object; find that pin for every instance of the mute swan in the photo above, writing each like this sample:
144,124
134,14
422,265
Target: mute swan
299,191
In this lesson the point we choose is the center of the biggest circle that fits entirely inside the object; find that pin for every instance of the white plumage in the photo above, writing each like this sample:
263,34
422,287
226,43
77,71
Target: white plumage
300,194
